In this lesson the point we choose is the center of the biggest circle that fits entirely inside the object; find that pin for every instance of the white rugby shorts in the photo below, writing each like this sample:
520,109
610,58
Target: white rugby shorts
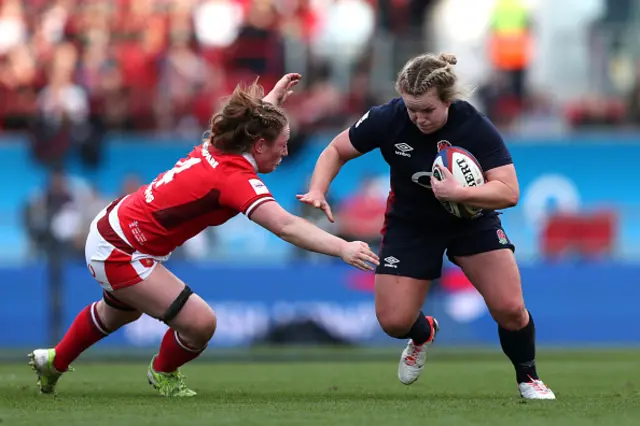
111,259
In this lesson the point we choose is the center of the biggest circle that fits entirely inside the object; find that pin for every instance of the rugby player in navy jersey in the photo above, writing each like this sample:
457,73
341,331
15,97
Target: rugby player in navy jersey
409,131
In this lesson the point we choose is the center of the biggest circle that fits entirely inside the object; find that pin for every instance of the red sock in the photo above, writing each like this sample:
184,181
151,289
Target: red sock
86,330
174,353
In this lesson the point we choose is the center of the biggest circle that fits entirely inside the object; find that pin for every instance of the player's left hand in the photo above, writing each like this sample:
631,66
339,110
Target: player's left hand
447,189
359,254
318,201
282,90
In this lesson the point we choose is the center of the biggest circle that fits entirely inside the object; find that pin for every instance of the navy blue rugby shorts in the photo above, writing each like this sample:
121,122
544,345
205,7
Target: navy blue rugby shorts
416,250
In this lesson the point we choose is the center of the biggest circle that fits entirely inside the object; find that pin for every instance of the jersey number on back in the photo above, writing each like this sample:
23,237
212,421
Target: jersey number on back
168,176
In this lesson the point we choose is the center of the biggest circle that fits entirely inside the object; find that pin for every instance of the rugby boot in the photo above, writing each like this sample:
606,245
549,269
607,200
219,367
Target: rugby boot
41,361
414,356
168,384
535,389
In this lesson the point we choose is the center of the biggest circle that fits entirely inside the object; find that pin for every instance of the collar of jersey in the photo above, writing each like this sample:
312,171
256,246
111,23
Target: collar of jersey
251,160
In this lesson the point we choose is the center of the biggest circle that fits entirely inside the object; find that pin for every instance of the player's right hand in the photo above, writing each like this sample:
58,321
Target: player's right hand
358,254
318,201
282,90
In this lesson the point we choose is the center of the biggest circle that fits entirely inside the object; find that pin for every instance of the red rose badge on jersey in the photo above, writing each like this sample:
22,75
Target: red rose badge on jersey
443,144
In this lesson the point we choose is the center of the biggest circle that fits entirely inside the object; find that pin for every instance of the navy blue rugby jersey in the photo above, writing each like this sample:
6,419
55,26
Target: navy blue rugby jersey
410,154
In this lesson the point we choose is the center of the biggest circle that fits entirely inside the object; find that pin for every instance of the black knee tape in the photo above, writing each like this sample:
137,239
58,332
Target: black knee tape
177,304
113,302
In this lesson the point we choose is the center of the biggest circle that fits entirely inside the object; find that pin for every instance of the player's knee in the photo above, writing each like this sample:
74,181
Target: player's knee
202,330
511,315
206,325
395,323
197,322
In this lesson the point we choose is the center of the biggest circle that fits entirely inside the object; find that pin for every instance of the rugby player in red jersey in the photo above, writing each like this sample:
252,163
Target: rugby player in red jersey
129,240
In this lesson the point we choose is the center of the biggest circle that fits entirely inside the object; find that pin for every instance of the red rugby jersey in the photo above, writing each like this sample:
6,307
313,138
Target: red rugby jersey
206,188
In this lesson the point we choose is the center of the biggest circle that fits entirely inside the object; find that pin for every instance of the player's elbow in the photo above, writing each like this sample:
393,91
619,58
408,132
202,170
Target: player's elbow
341,150
511,198
509,194
282,231
275,219
332,154
286,228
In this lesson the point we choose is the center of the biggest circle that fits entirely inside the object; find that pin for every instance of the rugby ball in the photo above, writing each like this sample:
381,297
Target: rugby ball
466,170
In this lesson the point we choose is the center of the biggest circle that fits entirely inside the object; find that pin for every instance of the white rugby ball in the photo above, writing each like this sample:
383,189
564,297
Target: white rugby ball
466,170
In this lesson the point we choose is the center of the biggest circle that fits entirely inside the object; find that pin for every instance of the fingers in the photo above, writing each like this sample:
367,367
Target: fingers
318,204
305,198
306,201
290,80
435,184
362,265
293,77
282,89
446,174
365,259
327,211
292,84
369,255
286,96
371,258
368,267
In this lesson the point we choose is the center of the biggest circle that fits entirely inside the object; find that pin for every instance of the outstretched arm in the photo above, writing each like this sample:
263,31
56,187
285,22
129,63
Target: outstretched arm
367,134
301,233
334,156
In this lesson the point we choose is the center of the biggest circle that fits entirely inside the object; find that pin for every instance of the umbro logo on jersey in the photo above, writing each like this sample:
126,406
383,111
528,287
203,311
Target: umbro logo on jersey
403,149
391,262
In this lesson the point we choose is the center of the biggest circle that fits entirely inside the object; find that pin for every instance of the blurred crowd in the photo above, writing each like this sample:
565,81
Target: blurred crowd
70,70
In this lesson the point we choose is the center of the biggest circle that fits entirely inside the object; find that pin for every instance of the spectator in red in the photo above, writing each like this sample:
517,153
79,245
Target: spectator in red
362,215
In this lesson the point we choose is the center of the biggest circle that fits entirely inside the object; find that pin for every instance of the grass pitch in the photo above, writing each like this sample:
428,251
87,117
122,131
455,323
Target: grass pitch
458,387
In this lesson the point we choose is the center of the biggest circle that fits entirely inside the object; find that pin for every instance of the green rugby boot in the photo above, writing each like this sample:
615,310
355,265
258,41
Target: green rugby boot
41,361
168,384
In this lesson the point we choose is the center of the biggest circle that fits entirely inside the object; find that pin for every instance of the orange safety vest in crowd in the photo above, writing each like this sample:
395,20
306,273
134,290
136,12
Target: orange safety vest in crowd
510,41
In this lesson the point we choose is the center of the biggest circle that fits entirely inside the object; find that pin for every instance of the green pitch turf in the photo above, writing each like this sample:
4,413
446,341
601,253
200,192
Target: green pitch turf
593,388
